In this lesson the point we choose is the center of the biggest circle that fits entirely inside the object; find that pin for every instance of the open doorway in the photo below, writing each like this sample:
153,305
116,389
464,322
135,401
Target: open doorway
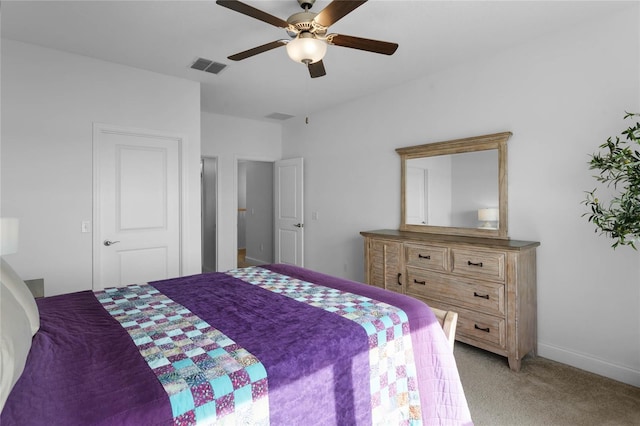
255,213
209,197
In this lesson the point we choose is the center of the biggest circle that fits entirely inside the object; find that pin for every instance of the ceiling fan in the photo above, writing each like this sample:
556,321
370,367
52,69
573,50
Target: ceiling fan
308,33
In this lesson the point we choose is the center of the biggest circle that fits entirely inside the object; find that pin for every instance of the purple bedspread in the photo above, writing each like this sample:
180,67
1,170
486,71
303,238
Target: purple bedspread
84,368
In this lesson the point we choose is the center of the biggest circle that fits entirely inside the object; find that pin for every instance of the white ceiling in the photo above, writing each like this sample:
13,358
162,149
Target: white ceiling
167,36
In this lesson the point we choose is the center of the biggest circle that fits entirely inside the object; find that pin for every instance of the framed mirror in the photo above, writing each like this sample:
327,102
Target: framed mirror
456,187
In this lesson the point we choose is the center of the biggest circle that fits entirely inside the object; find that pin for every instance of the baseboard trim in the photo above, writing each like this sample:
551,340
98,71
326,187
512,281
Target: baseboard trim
589,363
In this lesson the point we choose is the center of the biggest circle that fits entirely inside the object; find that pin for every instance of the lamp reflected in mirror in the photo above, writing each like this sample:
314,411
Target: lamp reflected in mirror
488,218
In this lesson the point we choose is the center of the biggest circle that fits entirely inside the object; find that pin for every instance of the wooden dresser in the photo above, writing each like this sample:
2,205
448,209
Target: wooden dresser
490,283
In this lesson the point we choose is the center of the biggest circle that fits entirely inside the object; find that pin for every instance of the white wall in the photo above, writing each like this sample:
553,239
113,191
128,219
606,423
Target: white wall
260,209
209,214
561,96
50,101
475,185
255,223
242,204
230,139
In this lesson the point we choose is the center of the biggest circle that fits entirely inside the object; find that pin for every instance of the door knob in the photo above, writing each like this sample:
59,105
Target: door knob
108,243
298,225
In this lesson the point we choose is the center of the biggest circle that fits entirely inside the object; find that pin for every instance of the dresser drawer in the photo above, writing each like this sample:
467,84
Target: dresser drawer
479,263
482,327
476,326
426,256
486,297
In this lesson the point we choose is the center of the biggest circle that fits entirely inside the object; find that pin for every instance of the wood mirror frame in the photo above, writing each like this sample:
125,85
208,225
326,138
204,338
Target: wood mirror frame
496,141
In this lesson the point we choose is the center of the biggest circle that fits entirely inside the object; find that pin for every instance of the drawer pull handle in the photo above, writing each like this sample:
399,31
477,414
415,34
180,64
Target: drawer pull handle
470,263
424,257
484,296
481,329
399,276
420,282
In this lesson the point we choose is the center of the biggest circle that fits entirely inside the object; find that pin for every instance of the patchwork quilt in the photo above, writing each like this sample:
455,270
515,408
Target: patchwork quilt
207,376
276,345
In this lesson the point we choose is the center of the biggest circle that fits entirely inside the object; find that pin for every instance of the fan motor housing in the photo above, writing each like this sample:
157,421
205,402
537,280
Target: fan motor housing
303,22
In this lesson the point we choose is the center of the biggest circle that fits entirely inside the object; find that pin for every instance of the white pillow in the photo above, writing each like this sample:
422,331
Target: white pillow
21,292
15,342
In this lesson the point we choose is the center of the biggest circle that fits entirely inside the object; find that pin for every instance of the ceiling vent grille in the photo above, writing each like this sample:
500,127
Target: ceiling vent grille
207,65
279,116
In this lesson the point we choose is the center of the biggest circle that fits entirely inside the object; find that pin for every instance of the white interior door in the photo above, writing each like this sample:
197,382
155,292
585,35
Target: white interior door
289,215
137,206
416,196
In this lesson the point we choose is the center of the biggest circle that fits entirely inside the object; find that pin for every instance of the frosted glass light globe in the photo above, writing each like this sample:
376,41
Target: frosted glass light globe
306,49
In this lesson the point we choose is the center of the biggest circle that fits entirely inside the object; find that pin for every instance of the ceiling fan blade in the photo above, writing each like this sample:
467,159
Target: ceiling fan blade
317,69
375,46
260,49
336,10
251,11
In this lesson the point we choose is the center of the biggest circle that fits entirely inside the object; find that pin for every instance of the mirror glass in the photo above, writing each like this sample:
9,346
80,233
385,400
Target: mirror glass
449,190
456,187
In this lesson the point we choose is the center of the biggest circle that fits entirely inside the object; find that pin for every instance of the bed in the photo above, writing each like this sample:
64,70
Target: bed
276,344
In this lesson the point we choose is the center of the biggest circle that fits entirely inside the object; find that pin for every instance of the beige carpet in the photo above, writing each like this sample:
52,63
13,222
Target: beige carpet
544,392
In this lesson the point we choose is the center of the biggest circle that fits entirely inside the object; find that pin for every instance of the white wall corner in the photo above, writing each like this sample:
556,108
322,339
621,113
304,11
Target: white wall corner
590,363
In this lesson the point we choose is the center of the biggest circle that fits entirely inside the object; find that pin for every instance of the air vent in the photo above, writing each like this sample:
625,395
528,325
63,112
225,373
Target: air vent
207,65
279,116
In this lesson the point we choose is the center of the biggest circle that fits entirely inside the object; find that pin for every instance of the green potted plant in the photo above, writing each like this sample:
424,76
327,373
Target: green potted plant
618,167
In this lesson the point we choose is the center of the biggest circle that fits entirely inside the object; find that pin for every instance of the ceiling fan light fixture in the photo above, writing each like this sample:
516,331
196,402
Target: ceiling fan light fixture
306,48
308,32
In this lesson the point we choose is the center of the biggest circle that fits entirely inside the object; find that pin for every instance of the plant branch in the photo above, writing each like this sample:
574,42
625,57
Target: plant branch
618,167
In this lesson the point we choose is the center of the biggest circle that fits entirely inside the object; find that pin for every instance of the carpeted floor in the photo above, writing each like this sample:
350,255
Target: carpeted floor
544,392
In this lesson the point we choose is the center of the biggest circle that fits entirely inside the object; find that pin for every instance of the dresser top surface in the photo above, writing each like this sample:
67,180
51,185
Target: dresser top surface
395,234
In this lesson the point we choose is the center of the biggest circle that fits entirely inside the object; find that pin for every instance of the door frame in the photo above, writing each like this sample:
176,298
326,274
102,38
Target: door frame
217,210
99,128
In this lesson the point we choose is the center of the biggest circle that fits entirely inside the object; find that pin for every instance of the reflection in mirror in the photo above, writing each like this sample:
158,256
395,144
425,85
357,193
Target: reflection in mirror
453,190
456,187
